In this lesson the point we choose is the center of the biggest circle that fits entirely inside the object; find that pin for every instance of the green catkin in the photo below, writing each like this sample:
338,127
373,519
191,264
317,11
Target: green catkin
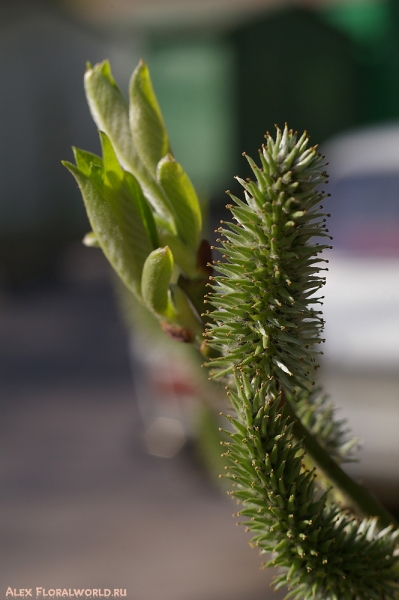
320,548
265,332
274,280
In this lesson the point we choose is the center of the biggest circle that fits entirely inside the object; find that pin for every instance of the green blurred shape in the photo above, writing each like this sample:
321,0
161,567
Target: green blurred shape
365,21
192,78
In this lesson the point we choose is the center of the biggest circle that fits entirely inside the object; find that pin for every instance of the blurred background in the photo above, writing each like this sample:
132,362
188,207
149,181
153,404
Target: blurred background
108,450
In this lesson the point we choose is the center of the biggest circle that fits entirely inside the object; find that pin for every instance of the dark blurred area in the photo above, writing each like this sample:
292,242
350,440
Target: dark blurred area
85,500
223,78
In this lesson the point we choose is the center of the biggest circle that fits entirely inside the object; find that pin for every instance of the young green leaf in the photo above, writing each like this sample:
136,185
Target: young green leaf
146,214
146,121
181,193
157,273
113,170
166,300
84,160
115,177
110,112
115,216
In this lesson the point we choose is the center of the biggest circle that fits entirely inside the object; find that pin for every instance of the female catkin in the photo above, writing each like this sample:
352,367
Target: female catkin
265,328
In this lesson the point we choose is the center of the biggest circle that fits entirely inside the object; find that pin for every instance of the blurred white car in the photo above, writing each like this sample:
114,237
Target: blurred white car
360,367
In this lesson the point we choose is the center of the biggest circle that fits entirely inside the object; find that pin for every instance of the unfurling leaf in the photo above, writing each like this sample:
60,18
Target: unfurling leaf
146,122
116,214
110,112
157,273
167,300
84,160
181,193
115,176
